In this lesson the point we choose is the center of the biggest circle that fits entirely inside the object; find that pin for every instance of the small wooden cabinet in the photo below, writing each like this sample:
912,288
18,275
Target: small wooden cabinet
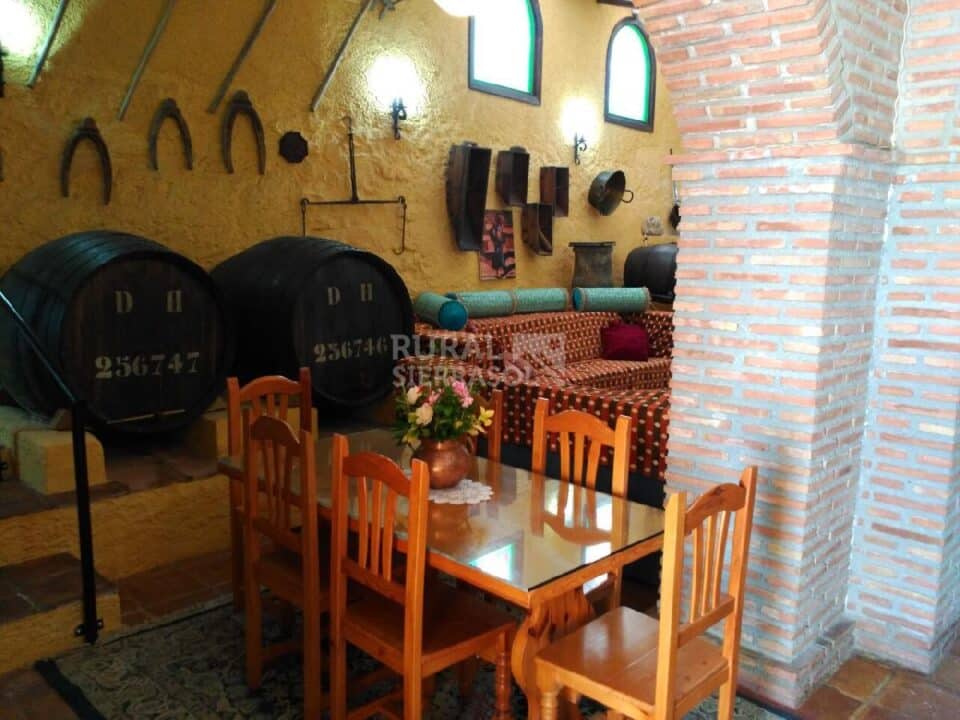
538,227
555,189
468,174
513,166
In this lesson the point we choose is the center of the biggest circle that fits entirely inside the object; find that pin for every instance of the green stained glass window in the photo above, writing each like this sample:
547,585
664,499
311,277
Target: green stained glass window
505,48
631,77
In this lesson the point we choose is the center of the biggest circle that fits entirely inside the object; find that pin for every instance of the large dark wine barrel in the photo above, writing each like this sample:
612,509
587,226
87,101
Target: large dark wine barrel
655,268
303,301
137,331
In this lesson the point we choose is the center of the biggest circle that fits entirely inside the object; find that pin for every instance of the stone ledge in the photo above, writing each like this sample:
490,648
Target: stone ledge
207,436
45,461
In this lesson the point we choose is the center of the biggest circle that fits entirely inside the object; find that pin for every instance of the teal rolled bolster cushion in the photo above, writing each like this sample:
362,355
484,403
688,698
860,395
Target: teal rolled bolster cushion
442,311
622,300
530,300
489,303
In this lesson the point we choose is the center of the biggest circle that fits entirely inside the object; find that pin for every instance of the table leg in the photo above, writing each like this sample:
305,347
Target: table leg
546,622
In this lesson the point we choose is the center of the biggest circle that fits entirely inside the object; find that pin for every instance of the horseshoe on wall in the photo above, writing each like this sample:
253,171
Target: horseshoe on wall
168,109
240,104
87,131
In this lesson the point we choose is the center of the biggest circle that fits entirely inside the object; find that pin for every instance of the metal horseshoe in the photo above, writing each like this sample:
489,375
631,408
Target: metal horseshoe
168,109
87,131
240,104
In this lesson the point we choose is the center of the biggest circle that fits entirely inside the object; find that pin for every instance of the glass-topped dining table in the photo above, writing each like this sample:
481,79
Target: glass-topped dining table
534,543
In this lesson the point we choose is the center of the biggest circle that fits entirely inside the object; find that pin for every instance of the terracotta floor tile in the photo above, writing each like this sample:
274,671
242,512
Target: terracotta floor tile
875,712
47,706
859,678
827,703
19,682
13,607
914,696
948,674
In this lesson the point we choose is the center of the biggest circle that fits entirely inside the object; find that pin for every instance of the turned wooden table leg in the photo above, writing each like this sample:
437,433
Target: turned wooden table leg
545,622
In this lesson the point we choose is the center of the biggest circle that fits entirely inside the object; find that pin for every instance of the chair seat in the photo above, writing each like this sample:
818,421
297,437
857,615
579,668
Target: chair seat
451,618
617,654
281,571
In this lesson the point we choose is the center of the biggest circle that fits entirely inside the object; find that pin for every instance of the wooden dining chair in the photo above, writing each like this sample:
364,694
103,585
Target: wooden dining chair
270,395
280,468
579,464
587,434
494,433
413,629
643,668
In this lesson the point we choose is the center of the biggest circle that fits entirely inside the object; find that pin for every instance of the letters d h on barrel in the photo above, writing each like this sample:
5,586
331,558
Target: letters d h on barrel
137,330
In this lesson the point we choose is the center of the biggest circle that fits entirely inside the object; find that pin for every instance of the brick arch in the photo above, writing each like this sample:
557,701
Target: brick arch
797,218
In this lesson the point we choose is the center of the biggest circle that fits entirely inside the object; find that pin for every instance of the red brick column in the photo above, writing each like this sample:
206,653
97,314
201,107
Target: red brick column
786,109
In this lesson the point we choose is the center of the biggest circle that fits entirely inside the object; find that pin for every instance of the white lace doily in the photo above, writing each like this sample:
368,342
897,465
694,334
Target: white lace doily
466,492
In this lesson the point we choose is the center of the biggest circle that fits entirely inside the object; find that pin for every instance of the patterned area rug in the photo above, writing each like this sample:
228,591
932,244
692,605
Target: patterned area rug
192,669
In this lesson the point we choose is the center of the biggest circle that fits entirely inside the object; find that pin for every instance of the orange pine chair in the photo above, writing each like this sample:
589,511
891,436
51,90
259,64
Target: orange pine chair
644,668
416,631
587,434
271,396
281,507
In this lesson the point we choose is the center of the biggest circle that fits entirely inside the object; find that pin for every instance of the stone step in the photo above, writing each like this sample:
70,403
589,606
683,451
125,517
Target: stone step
41,604
42,458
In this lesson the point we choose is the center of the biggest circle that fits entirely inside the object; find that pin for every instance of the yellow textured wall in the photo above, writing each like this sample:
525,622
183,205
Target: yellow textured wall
209,215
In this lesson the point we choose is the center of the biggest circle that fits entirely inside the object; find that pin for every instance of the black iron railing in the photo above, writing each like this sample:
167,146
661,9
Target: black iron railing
89,628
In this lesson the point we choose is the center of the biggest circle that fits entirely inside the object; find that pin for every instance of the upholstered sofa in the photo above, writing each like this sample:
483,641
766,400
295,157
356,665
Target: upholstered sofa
558,355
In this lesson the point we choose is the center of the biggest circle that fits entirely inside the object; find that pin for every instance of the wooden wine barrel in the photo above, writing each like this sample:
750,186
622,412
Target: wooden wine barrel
308,302
138,332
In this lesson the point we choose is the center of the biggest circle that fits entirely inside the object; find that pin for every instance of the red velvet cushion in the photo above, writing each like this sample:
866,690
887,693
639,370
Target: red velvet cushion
624,341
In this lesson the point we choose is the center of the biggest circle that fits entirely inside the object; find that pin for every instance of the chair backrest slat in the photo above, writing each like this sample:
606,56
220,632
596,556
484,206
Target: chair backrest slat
708,521
577,428
379,484
269,395
280,468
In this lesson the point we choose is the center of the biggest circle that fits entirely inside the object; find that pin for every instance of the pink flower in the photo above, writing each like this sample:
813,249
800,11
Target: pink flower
463,392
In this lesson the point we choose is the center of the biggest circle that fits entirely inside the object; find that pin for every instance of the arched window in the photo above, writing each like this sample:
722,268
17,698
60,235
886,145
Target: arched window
505,49
631,77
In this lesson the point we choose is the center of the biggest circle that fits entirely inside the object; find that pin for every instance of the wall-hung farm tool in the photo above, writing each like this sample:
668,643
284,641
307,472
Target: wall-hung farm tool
241,56
87,131
335,63
168,109
48,43
355,198
240,104
145,57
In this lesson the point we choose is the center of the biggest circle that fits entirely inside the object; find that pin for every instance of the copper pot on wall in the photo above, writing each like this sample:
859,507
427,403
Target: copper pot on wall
607,191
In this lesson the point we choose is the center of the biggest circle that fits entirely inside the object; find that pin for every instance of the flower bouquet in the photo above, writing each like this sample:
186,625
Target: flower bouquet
434,420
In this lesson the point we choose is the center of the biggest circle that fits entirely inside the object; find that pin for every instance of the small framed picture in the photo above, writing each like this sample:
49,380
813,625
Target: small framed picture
497,257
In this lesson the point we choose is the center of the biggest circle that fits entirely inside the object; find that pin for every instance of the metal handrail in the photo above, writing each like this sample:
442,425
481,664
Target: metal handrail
89,628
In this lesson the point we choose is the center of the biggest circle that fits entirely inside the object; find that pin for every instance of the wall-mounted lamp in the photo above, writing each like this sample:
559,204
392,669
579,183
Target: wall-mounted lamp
396,88
398,112
579,145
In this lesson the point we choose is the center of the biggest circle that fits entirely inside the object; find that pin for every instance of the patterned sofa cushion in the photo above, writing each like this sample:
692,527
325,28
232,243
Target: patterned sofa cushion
577,333
619,374
649,411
